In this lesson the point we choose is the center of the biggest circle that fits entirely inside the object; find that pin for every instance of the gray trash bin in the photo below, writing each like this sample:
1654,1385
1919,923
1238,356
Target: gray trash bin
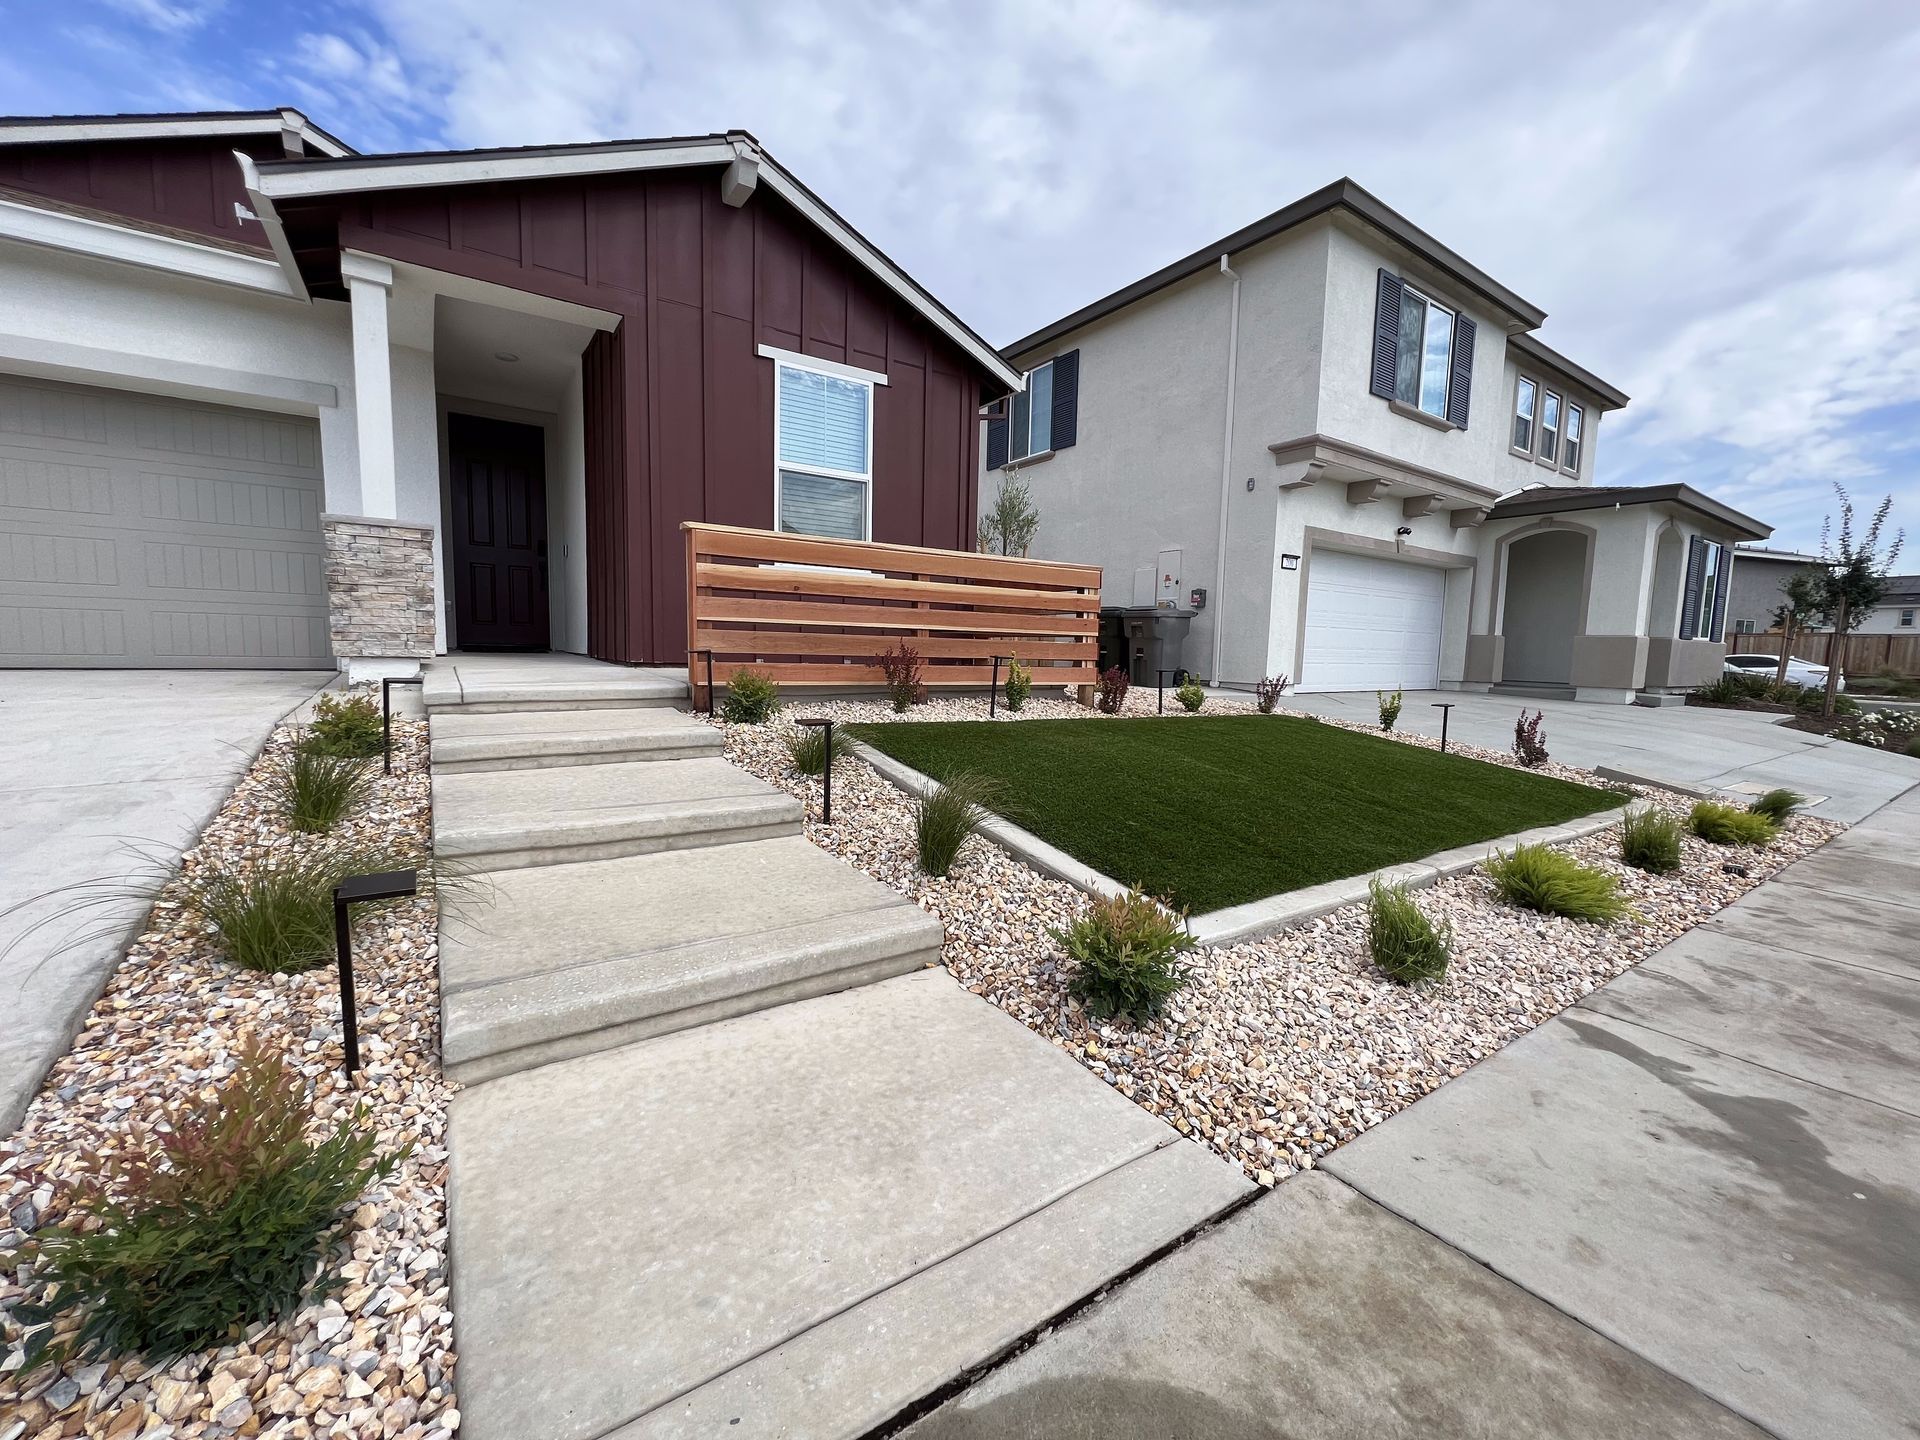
1155,640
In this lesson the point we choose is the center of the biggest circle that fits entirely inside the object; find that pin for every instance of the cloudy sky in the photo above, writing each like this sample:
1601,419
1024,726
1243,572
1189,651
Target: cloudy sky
1717,204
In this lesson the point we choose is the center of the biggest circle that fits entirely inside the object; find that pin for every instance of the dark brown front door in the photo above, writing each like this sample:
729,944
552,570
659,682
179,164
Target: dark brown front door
499,534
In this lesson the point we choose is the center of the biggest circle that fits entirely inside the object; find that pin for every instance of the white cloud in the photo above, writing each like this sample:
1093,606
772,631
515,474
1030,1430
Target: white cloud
170,16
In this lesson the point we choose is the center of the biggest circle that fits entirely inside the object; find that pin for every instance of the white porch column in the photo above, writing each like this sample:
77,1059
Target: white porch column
370,288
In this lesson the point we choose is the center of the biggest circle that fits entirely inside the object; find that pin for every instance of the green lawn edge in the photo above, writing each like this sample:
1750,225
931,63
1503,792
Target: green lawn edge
1212,811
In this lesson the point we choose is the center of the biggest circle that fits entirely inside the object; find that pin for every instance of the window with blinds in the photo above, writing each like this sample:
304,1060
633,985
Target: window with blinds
824,433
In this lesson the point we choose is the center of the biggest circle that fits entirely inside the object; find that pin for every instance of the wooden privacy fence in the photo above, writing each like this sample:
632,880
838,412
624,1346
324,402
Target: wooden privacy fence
813,611
1859,655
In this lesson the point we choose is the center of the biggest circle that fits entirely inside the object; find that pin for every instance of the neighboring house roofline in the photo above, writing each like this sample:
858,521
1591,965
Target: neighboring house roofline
1789,557
1553,499
1609,397
1342,195
183,124
303,179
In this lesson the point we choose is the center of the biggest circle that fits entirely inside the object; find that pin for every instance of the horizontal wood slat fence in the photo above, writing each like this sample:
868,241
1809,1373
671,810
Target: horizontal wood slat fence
811,611
1861,655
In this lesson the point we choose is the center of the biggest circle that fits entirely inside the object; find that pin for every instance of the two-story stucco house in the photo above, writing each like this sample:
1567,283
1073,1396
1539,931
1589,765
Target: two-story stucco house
1348,438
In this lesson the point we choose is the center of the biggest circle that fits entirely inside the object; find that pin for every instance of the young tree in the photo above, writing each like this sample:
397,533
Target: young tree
1009,526
1799,608
1853,579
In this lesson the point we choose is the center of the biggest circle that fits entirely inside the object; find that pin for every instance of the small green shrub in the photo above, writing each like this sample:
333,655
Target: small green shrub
1777,805
1650,841
314,791
1110,690
1812,700
1729,825
751,699
209,1222
1019,684
1190,695
1405,943
277,918
1539,877
808,748
1267,692
1126,952
901,667
347,724
946,815
1389,708
1913,747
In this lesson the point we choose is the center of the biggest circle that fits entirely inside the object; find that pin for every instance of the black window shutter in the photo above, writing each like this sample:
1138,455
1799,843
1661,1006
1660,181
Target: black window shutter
1720,596
1460,392
1066,399
1386,335
997,439
1690,603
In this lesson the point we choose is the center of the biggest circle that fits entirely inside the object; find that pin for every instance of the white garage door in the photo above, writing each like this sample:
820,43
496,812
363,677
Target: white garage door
1372,624
137,530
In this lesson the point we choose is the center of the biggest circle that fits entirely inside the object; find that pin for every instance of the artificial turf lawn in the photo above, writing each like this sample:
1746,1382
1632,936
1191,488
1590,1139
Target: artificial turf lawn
1220,810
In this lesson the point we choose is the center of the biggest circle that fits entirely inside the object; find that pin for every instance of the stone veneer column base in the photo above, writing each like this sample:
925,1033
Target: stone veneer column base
380,594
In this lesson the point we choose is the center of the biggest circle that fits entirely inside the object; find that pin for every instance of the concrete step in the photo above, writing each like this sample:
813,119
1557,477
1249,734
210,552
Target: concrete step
792,1223
506,819
570,959
464,742
494,684
1536,692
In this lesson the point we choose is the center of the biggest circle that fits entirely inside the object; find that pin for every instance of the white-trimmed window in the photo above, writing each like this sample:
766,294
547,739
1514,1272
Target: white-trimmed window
822,447
1570,456
1550,428
1525,395
1906,619
1030,425
1425,356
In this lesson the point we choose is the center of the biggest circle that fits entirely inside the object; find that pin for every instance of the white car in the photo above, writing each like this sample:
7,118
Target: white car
1799,672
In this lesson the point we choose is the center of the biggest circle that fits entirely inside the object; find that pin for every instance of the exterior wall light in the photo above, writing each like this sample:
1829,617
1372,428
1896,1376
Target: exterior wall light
1289,562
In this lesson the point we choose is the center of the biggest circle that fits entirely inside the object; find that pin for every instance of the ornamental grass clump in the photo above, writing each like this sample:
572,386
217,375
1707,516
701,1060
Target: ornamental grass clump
1539,877
1405,943
1126,951
947,814
1267,692
1389,708
1650,841
1110,690
1190,695
210,1221
1778,805
345,724
1019,684
751,699
314,790
810,752
1729,824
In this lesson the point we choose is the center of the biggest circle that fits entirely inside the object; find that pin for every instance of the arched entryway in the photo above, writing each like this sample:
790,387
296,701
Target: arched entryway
1542,605
1663,600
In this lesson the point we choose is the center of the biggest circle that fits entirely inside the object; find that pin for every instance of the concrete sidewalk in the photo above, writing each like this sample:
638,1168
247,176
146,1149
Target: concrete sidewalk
1690,744
1684,1207
92,759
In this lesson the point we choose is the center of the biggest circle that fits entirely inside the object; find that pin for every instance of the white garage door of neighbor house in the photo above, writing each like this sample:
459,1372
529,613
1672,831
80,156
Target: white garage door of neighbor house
1372,624
145,531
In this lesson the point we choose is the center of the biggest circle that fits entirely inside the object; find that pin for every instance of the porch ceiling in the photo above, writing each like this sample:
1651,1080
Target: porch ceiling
469,338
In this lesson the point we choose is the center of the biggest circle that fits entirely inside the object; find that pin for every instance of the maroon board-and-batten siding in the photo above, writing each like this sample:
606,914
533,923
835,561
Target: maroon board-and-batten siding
679,404
190,183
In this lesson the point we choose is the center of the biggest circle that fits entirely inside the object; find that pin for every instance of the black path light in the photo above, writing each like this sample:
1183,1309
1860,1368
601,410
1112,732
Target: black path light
709,655
815,722
1445,707
1160,688
387,683
356,890
993,695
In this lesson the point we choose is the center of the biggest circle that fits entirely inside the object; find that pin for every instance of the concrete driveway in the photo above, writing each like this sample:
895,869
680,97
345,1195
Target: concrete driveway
1687,744
91,759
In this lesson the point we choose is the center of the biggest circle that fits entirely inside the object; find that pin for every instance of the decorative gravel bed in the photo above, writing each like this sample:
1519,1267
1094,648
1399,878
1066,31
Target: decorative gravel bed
376,1359
1279,1049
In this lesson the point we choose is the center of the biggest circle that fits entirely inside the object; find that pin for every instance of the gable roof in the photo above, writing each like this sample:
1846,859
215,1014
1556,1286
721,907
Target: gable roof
1343,195
1554,499
1608,397
179,124
294,179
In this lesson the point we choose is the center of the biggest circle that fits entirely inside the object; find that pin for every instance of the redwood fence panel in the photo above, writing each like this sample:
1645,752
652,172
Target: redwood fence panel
1862,654
811,611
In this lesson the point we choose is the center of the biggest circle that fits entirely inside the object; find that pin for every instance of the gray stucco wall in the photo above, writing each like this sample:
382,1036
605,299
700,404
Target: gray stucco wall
1757,582
1544,573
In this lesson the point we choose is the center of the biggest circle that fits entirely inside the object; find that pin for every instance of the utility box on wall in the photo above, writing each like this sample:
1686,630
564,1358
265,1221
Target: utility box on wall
1168,595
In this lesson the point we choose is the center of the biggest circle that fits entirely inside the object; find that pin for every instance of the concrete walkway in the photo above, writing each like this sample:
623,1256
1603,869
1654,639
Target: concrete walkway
91,759
1695,1196
1690,744
732,1159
